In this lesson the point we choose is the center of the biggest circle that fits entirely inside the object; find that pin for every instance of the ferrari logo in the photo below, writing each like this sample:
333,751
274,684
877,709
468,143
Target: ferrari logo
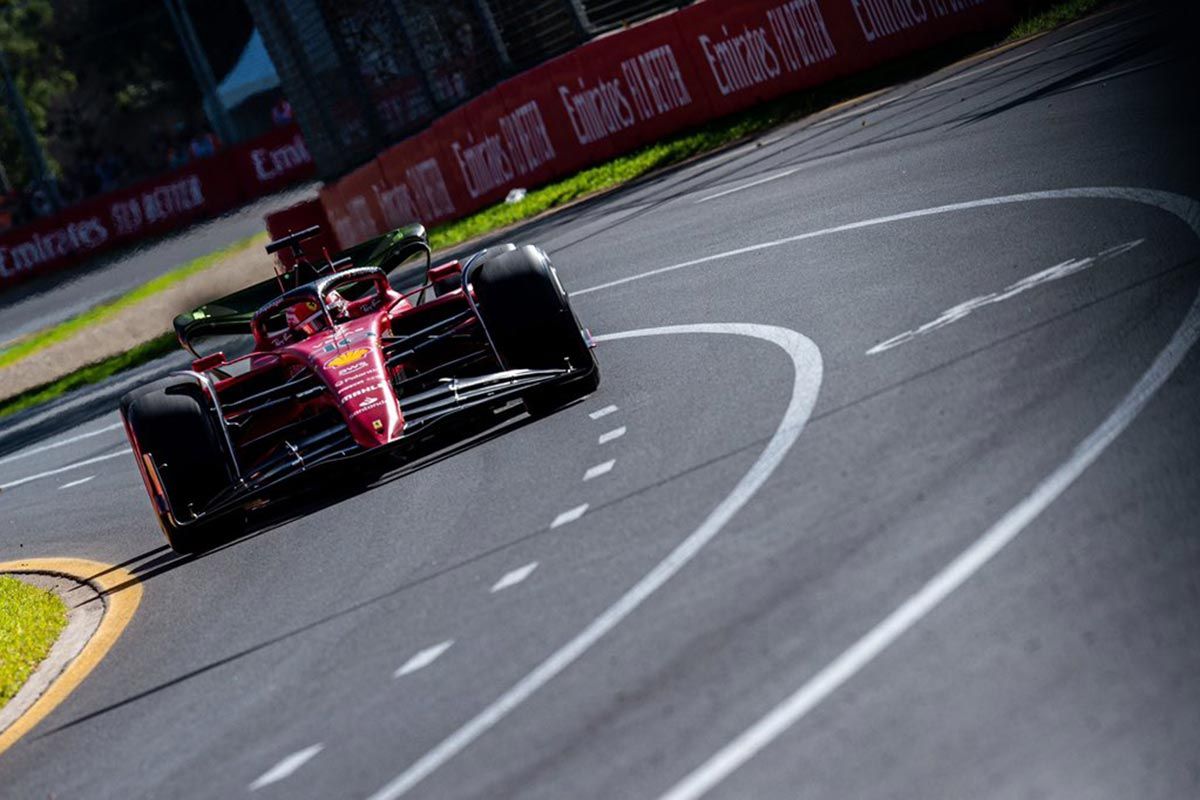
377,424
348,357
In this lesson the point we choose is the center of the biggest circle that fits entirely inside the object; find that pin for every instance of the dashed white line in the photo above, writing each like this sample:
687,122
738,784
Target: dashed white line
604,412
806,359
67,468
71,440
750,185
286,767
423,659
615,433
599,469
79,482
569,516
516,576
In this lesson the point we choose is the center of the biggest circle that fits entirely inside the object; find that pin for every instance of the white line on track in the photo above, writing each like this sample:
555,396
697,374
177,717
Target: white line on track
604,412
67,468
79,482
825,682
806,361
71,440
286,767
423,659
1111,75
1098,193
569,516
599,469
968,307
615,433
516,576
750,185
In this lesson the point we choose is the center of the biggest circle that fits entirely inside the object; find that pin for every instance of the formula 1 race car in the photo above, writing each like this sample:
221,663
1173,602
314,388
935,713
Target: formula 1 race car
342,364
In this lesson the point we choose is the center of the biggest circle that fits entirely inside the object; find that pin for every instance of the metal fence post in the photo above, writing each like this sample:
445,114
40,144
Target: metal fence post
579,15
489,22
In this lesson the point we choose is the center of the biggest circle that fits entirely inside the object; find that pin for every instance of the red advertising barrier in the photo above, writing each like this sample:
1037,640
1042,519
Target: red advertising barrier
633,87
202,189
296,218
273,161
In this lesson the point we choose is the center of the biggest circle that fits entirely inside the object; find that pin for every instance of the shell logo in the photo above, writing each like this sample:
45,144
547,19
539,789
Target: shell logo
348,357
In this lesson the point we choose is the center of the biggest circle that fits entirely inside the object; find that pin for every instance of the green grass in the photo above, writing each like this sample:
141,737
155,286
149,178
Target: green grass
30,621
1053,17
65,330
92,373
616,172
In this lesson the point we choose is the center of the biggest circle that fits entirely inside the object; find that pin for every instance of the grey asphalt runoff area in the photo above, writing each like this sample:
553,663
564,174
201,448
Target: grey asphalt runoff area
904,506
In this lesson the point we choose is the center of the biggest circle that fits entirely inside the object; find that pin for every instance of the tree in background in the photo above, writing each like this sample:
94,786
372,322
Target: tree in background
40,73
107,84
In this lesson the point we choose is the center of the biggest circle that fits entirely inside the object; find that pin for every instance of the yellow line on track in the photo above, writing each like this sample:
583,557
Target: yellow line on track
121,591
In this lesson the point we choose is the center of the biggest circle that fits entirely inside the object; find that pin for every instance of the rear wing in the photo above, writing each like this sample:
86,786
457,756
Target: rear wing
231,315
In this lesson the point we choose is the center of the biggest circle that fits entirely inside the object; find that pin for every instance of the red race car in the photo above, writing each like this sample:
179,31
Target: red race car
341,364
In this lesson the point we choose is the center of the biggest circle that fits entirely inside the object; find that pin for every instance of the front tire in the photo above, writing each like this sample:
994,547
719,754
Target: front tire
170,423
533,326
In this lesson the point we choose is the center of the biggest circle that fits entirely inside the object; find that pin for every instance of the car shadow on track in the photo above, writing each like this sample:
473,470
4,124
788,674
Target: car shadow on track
159,560
324,488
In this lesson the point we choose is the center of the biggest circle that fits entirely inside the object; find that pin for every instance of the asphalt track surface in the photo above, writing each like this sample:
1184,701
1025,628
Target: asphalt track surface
962,565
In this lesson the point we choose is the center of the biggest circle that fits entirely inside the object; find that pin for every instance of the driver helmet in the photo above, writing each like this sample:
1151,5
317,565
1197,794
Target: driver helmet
301,317
339,309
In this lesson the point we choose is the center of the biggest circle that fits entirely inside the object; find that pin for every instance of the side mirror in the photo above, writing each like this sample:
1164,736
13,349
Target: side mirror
208,362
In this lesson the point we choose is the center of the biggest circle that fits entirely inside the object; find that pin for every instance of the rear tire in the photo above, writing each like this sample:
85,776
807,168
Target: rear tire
171,423
530,319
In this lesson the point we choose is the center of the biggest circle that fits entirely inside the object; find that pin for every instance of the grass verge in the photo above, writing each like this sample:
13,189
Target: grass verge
30,621
66,329
92,373
1052,17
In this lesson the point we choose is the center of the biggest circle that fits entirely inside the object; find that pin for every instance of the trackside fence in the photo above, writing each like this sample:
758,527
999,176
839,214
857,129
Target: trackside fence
627,89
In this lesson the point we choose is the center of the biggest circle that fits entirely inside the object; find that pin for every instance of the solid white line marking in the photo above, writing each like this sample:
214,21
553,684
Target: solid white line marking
72,440
1111,75
604,412
615,433
423,659
598,470
1145,196
821,685
516,576
569,516
750,185
67,468
286,767
76,483
806,360
1057,272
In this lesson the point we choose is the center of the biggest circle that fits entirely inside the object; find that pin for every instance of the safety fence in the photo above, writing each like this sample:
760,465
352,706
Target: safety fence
203,189
622,91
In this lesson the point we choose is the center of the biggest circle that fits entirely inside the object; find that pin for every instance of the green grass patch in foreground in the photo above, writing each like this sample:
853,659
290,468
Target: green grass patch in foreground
1052,17
92,373
30,621
70,327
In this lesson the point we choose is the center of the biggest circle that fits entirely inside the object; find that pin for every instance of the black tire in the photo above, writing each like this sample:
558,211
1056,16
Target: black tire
531,322
173,425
